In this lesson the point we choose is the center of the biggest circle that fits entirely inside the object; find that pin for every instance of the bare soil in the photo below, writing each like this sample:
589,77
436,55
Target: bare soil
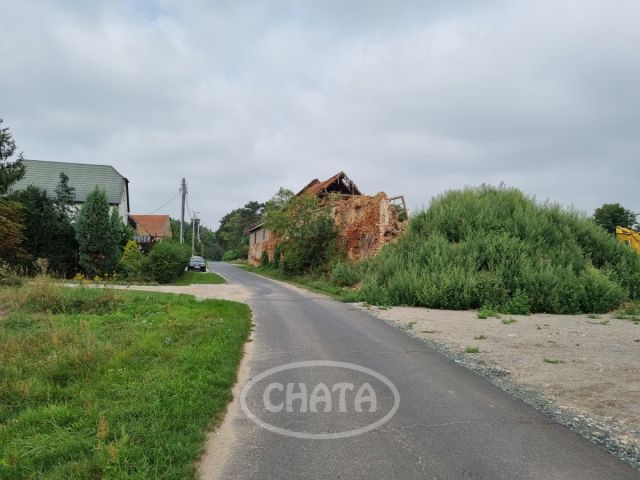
586,367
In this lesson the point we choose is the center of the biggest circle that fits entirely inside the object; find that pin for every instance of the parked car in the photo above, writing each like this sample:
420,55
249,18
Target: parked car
197,264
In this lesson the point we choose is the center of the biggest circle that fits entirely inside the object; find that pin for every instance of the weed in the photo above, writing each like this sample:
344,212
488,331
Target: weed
593,315
553,361
472,350
482,336
411,324
508,321
488,311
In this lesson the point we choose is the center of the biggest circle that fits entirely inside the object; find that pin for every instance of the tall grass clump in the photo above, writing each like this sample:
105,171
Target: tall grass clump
44,294
497,246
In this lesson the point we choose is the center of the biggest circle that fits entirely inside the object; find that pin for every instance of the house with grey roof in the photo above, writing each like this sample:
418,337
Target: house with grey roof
83,177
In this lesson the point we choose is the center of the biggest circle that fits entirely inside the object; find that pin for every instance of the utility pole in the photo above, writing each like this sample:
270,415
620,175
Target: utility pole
193,233
183,191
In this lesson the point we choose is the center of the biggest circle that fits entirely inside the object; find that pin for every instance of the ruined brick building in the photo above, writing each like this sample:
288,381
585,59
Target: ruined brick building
365,223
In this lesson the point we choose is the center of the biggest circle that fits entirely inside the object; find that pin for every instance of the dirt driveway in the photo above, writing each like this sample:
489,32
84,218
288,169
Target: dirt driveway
587,368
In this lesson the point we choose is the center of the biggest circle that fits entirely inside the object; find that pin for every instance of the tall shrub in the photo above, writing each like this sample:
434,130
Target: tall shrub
168,260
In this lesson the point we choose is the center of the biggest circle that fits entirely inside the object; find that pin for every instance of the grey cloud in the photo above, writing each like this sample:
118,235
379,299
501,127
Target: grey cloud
411,98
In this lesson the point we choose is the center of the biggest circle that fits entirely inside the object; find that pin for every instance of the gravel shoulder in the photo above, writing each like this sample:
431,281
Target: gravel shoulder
594,388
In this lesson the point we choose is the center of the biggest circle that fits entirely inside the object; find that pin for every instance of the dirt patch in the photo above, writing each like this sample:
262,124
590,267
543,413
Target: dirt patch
585,369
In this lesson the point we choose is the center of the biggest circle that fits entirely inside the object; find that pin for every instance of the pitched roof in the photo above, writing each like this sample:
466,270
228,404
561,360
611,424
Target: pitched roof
339,183
82,176
152,225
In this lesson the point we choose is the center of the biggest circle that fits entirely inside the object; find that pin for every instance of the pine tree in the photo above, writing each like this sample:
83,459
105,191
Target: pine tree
10,170
65,196
96,237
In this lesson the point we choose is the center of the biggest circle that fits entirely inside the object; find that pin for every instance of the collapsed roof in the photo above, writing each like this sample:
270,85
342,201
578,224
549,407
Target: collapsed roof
340,183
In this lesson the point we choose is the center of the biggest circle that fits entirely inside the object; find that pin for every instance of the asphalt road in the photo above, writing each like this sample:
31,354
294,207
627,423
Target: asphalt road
450,424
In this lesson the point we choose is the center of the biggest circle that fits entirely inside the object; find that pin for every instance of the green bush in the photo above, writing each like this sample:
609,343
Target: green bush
230,255
168,261
345,274
133,263
264,259
8,275
277,255
496,246
518,304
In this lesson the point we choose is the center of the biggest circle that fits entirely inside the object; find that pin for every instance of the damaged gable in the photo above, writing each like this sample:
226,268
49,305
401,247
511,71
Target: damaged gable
365,223
340,183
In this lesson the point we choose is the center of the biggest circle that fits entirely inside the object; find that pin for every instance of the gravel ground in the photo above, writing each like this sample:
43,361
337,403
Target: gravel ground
593,389
223,291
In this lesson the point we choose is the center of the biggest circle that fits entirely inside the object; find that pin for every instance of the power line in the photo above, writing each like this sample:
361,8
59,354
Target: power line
164,205
188,207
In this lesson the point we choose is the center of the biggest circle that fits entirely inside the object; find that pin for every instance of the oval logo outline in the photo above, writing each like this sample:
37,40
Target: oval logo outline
319,436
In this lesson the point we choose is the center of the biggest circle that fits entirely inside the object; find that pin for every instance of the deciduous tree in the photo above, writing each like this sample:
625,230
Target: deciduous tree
612,215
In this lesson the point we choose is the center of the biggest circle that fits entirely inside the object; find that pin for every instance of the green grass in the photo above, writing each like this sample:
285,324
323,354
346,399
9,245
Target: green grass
472,350
196,278
482,336
102,384
314,283
508,321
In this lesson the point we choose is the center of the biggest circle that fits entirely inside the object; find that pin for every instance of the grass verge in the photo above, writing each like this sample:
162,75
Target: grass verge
197,278
104,384
315,284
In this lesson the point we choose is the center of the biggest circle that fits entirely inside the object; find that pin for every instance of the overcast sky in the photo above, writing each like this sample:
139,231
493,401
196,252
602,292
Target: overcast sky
410,97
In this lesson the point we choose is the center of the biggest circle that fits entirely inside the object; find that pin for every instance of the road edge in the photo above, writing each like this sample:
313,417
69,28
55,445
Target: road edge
221,440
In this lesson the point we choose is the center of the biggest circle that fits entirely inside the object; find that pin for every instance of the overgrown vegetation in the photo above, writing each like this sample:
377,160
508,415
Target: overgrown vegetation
102,384
495,246
307,234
